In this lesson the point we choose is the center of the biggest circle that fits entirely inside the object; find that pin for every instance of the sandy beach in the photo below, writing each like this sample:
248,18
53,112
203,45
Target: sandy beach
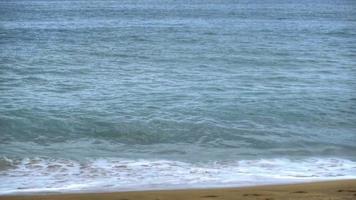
331,190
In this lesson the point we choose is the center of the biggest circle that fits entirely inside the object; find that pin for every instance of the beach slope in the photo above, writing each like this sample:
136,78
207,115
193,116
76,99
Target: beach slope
332,190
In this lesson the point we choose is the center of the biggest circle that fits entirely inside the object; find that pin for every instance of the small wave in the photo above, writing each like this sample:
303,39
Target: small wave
60,175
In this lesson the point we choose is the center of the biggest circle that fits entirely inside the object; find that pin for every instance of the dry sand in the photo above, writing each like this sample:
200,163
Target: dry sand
332,190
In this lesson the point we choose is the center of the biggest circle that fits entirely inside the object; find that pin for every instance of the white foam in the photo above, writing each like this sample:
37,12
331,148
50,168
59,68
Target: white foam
60,175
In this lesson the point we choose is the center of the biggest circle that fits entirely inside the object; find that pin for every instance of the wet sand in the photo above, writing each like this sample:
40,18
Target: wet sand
332,190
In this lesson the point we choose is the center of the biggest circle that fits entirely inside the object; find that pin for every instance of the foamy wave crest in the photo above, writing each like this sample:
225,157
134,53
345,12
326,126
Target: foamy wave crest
60,175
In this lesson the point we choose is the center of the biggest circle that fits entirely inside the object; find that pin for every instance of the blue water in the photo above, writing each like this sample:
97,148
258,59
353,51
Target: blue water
218,92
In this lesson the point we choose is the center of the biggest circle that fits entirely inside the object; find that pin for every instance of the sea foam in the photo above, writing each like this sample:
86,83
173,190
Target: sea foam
60,175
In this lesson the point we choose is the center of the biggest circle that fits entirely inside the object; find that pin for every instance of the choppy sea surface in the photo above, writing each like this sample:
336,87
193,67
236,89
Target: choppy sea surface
126,95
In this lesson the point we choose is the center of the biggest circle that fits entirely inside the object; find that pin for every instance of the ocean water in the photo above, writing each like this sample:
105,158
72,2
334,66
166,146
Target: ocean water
127,95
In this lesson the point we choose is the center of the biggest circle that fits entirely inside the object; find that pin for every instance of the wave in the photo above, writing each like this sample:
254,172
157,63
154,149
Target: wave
43,174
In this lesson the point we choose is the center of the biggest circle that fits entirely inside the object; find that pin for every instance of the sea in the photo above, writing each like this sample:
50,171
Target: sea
117,95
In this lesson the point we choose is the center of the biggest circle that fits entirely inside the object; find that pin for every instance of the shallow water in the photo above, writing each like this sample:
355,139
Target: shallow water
178,85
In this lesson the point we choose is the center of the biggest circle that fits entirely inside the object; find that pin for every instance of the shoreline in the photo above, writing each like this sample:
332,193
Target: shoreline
337,189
